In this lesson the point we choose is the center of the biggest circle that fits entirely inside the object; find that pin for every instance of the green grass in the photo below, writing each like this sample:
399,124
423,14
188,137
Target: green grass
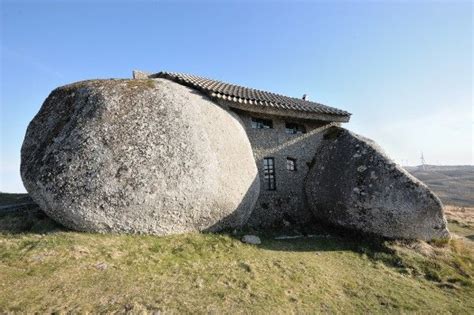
45,268
461,229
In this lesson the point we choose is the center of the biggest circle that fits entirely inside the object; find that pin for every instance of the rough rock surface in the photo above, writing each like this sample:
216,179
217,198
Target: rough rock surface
353,184
139,156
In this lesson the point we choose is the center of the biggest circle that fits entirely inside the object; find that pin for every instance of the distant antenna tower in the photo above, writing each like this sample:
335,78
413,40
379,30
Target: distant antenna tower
423,163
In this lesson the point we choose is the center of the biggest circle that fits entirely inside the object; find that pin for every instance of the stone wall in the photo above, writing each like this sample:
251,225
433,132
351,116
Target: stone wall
287,202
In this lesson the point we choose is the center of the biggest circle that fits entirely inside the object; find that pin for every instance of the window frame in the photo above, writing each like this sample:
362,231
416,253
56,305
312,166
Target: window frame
291,161
269,176
261,123
292,128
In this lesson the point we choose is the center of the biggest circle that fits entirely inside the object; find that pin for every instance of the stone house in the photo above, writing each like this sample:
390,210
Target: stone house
284,133
170,153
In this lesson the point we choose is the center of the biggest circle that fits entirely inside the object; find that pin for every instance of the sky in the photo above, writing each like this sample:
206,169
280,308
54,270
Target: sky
402,68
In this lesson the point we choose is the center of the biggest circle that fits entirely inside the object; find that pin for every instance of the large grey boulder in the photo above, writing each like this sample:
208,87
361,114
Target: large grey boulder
139,156
352,183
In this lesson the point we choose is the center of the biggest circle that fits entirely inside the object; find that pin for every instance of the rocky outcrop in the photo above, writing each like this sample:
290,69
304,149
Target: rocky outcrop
139,156
353,184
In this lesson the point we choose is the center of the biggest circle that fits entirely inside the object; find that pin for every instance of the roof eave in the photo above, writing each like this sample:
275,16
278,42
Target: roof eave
286,112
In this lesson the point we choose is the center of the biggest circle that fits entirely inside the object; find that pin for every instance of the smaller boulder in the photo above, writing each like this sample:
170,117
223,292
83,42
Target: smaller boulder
251,239
352,183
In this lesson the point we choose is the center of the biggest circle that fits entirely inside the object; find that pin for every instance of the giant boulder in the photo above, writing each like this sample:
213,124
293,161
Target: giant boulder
352,183
139,156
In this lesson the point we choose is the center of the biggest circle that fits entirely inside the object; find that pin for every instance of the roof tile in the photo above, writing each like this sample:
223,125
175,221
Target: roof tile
241,94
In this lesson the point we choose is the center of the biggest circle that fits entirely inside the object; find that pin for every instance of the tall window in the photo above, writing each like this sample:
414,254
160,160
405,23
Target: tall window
259,123
269,173
294,129
291,164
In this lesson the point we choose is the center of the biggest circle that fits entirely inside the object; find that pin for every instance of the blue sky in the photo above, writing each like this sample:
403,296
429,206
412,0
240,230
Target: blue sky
404,69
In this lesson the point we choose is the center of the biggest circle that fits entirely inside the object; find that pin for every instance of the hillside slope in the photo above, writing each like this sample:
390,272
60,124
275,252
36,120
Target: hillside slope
453,184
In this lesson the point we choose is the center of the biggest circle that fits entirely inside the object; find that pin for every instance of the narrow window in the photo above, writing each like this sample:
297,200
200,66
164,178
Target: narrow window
294,129
291,164
259,123
269,173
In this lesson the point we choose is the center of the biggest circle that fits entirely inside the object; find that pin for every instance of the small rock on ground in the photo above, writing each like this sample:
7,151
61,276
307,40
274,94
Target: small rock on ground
251,239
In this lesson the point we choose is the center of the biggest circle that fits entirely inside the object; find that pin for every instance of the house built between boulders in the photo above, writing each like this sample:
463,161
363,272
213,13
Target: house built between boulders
267,151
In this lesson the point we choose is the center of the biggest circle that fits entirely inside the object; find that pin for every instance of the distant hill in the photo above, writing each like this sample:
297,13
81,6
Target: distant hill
454,185
12,199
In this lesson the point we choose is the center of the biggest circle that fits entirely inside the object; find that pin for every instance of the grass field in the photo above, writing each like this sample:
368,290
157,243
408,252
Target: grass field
461,221
46,268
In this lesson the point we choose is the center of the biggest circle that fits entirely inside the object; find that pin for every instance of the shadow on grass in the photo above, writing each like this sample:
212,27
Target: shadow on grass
27,220
319,237
308,244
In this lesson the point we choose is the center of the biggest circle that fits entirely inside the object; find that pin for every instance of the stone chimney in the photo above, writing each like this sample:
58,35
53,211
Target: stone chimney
137,74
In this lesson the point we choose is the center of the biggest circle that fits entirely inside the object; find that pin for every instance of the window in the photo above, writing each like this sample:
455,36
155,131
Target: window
291,164
294,129
259,123
269,173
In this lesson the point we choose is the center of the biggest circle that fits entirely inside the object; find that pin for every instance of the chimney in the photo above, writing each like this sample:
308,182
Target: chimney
304,97
137,74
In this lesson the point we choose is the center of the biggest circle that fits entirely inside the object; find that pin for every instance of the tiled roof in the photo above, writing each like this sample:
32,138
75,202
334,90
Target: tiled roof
243,95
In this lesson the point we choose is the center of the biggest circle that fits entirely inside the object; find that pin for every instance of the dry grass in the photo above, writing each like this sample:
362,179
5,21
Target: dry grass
463,215
453,184
461,221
